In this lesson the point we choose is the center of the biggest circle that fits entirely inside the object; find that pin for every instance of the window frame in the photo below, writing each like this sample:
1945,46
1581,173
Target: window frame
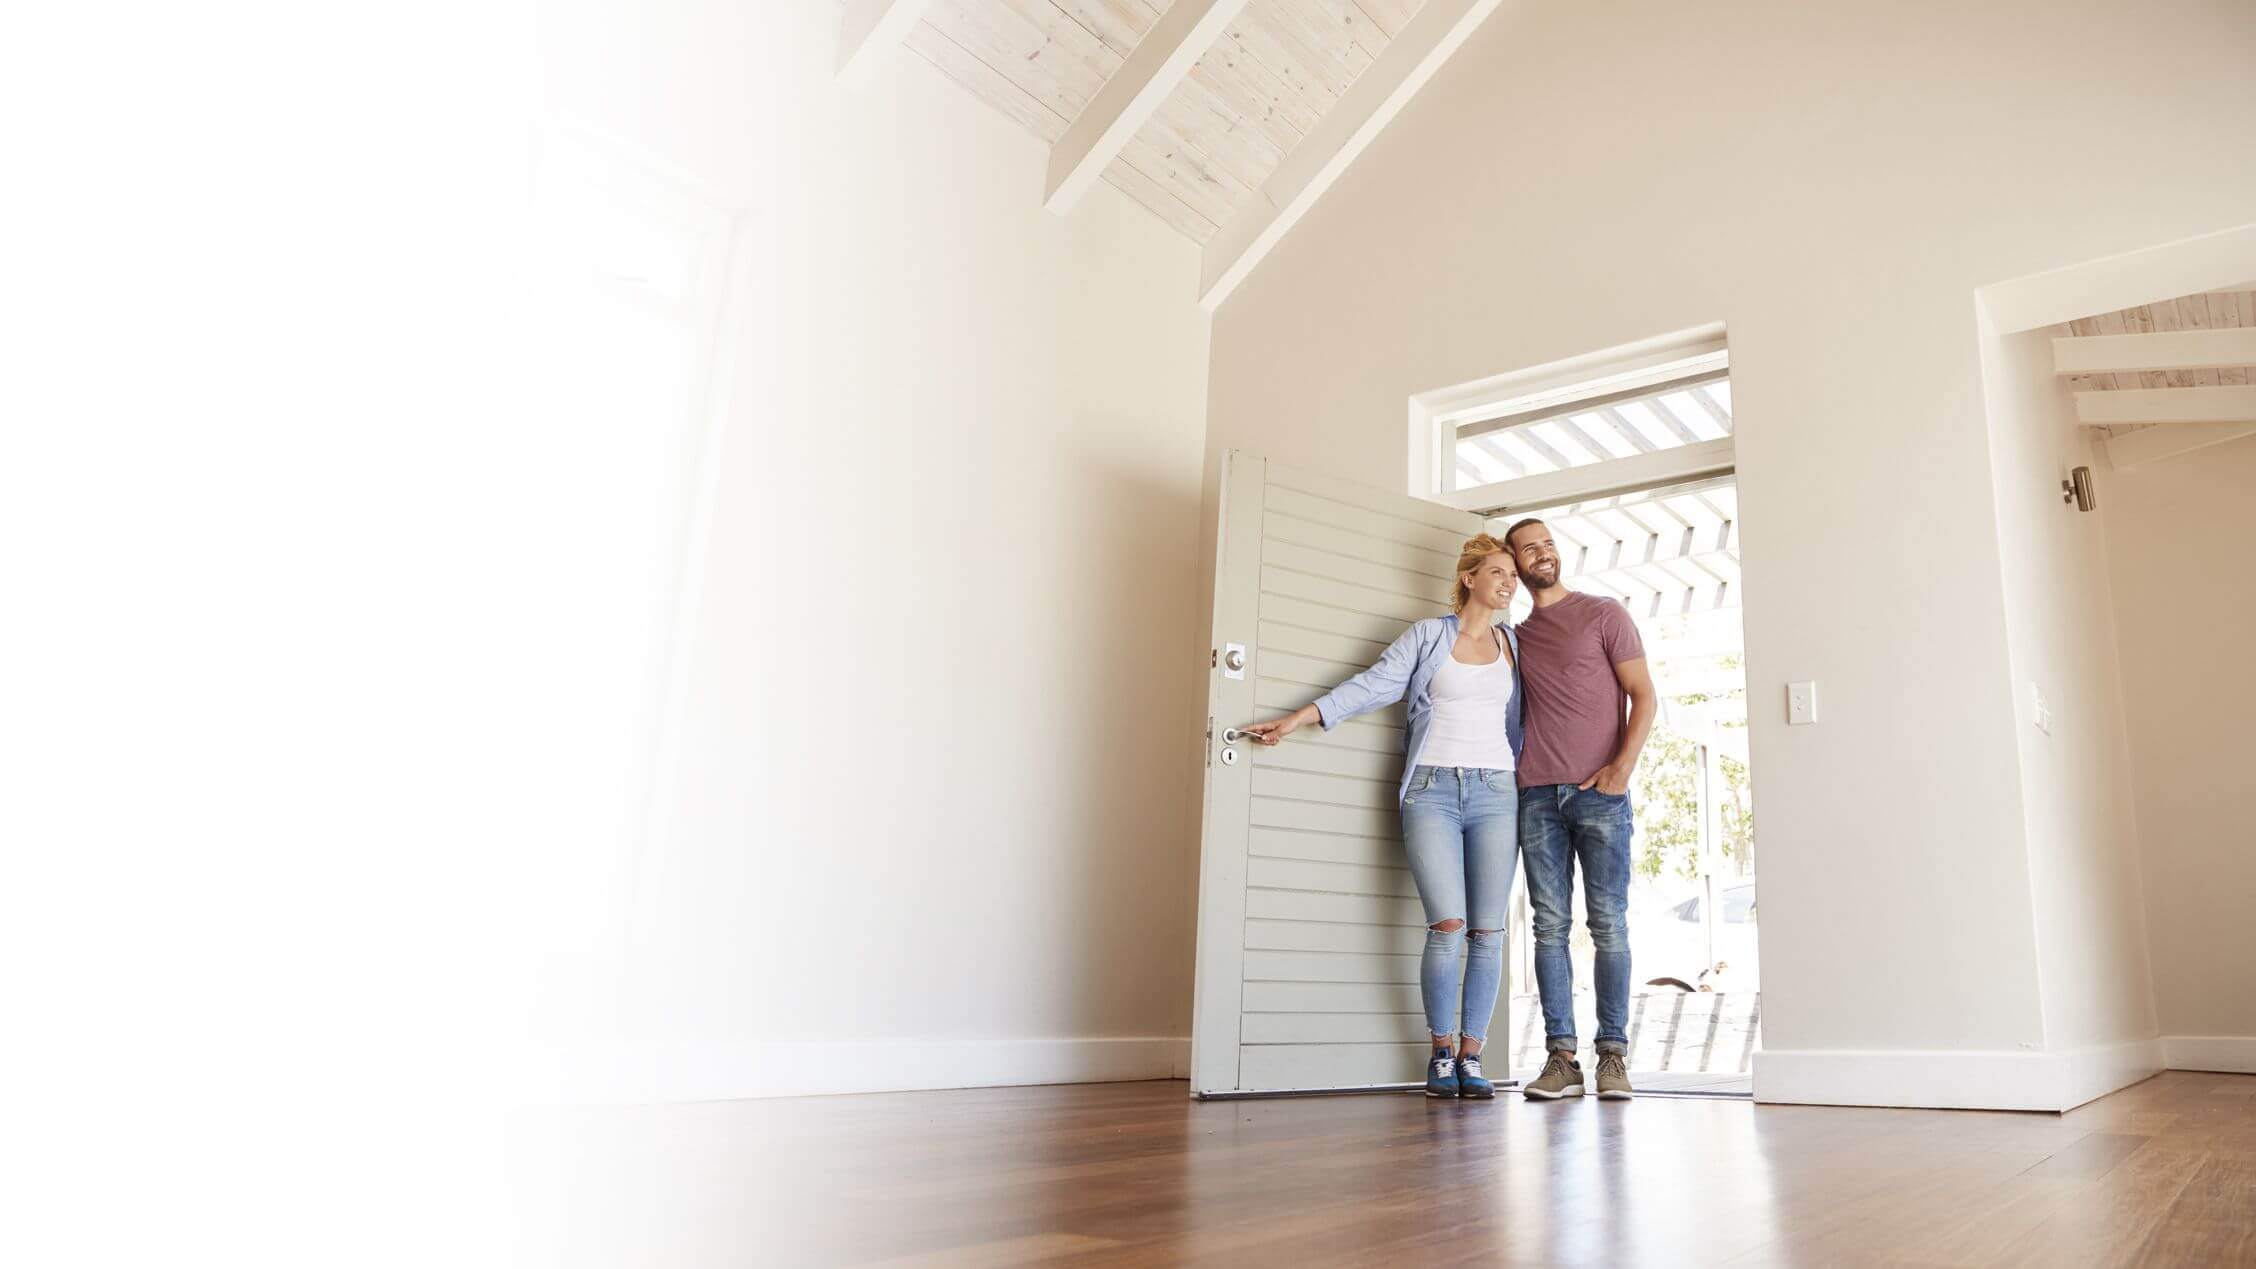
1649,368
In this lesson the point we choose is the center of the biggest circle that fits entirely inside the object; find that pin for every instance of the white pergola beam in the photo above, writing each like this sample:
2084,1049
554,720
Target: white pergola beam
869,28
2168,350
2167,405
1345,131
1126,102
2168,440
1490,446
1634,474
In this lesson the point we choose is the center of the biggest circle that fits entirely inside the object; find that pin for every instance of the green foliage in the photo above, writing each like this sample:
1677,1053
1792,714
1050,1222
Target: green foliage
1668,807
1738,842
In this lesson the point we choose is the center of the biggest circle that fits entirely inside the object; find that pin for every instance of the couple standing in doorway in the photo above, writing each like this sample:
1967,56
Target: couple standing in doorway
1518,744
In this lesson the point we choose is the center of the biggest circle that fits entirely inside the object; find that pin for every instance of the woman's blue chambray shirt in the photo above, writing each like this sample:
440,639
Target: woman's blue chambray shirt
1406,670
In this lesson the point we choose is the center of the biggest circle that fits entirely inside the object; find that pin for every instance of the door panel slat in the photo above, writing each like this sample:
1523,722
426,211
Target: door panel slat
1332,998
1336,1028
1349,909
1391,505
1336,760
1322,645
1283,1067
1437,564
1325,848
1339,568
1311,936
1323,590
1301,874
1375,527
1330,790
1329,967
1360,821
1309,615
1291,667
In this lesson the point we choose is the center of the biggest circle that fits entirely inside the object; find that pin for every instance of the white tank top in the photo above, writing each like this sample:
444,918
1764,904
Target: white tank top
1470,706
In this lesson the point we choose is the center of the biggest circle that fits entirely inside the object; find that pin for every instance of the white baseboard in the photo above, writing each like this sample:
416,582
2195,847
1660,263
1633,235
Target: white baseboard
2100,1069
2232,1053
724,1072
1947,1080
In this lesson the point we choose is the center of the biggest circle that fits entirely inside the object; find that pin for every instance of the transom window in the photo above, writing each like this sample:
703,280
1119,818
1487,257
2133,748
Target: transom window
1654,413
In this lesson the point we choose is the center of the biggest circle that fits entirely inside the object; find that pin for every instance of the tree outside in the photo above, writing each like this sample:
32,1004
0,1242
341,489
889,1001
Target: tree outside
1668,791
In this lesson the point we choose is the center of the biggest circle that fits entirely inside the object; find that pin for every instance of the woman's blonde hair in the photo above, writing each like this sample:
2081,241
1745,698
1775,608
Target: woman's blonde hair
1476,549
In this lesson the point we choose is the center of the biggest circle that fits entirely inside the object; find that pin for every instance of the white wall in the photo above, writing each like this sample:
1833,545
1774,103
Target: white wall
1833,183
2075,785
933,815
2185,611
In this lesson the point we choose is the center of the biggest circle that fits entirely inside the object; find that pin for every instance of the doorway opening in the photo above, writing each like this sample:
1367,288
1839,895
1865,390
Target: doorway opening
1695,1010
1628,457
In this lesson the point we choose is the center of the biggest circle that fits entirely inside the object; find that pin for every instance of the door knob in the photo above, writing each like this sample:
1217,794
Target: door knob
1233,660
1231,735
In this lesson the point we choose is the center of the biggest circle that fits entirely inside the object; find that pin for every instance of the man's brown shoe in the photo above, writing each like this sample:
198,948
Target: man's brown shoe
1562,1077
1613,1078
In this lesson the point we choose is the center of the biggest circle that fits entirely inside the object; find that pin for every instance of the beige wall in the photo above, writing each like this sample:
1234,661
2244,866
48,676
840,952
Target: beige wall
935,796
1834,184
2186,610
2075,788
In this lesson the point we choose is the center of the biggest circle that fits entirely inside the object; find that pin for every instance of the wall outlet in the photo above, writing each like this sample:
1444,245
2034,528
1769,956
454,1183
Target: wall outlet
1801,703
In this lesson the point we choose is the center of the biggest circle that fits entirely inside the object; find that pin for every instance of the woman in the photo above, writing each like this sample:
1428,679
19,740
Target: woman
1459,795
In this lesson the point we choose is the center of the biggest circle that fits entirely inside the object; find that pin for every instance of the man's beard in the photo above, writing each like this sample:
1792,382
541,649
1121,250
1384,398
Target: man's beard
1535,580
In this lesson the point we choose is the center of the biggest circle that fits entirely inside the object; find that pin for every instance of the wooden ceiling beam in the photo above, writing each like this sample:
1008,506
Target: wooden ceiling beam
2172,350
1427,40
2167,405
1161,60
869,28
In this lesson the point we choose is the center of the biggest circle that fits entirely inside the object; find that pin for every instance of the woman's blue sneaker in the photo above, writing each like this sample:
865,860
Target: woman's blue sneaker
1441,1077
1470,1081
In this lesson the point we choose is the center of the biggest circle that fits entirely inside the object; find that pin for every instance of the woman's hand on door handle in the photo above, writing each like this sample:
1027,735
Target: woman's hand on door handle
1277,729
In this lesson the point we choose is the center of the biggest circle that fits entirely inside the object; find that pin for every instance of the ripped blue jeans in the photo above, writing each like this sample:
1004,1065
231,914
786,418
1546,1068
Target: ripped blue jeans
1460,826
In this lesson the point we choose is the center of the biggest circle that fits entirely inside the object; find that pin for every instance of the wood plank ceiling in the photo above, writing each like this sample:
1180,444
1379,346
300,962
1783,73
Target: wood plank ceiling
1279,66
2214,310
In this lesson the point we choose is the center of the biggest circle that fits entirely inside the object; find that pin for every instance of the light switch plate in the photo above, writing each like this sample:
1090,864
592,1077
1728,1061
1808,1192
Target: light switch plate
1801,703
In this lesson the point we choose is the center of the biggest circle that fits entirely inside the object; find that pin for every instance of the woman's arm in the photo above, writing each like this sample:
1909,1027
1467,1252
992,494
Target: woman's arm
1376,688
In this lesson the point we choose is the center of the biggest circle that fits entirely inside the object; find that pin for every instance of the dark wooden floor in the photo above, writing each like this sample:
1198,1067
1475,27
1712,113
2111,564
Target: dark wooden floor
1105,1174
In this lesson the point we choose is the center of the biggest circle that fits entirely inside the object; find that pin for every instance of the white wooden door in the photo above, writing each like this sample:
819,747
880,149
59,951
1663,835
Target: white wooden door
1309,927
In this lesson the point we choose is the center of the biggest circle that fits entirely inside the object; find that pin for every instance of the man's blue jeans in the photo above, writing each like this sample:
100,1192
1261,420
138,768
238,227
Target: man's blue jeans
1561,826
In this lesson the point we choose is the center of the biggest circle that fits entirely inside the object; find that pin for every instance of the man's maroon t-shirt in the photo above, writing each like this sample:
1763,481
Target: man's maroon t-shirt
1574,707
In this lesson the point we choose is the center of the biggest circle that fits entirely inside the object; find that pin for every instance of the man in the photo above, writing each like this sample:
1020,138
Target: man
1580,659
